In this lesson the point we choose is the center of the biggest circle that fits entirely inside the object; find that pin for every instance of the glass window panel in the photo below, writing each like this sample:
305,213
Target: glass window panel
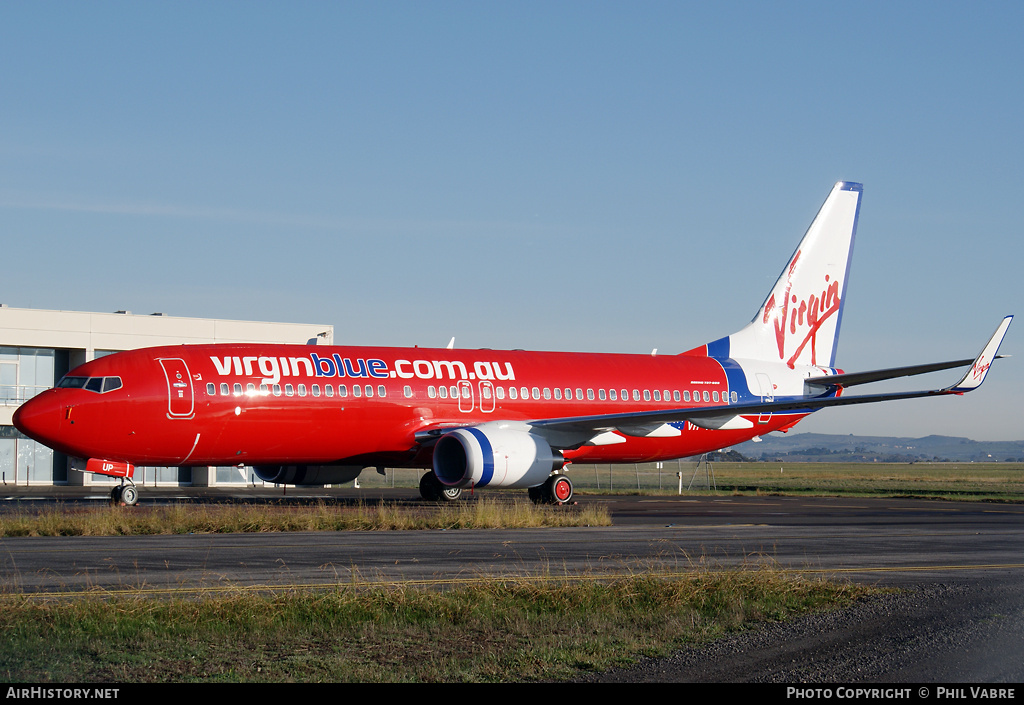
44,368
8,380
7,454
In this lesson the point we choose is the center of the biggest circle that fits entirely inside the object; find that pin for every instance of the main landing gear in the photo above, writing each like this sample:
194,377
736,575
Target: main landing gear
433,490
124,494
556,490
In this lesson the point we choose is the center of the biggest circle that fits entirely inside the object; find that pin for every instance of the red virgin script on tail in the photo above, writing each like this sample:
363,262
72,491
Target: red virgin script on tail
803,315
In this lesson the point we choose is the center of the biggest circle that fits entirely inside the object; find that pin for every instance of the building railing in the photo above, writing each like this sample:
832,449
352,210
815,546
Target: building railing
16,395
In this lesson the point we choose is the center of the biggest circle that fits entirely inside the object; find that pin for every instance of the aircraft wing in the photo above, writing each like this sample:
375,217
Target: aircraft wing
601,429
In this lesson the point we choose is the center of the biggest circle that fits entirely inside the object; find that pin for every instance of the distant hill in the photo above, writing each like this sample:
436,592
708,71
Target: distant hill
823,447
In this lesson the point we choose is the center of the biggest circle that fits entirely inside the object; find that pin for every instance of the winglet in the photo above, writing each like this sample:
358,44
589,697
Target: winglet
976,375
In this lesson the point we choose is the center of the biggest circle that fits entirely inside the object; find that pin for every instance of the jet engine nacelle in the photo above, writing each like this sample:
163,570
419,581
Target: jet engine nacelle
494,455
308,474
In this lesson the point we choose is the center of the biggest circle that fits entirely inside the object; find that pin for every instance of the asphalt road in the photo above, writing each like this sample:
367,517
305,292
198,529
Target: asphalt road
960,617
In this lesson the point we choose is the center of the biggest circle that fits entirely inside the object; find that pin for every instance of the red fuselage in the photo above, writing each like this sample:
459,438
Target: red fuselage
281,404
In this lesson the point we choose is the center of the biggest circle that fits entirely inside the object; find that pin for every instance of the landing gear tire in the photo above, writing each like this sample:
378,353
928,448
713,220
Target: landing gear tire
124,494
556,490
559,489
450,494
129,495
432,490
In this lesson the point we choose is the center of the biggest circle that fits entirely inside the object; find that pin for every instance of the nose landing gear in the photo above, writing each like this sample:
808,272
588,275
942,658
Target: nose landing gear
125,494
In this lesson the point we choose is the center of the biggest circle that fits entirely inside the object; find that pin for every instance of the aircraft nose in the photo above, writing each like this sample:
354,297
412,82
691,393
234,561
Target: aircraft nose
39,417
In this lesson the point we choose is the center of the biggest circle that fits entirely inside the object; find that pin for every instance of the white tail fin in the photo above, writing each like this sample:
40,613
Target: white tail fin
799,321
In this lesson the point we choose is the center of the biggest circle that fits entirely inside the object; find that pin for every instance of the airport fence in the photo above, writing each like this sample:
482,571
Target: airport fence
686,473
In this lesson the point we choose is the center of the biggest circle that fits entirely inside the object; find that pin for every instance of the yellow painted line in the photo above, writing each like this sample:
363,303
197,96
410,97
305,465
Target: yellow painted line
924,509
910,569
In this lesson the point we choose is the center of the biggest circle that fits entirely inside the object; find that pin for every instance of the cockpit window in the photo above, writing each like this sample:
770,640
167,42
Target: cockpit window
93,384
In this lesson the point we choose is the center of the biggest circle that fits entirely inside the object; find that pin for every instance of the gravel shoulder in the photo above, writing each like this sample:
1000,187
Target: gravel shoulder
942,633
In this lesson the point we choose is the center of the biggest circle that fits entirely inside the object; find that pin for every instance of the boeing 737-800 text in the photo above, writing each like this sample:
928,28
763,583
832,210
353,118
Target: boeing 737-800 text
315,415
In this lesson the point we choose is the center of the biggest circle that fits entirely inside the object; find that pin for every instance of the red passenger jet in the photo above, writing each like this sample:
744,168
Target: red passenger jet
316,415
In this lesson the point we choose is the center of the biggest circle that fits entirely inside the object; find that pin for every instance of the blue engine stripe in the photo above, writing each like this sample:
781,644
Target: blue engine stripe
488,454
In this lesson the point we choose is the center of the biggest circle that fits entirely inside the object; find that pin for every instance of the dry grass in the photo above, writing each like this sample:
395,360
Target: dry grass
488,513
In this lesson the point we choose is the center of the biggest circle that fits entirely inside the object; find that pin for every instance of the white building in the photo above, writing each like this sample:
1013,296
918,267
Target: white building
39,347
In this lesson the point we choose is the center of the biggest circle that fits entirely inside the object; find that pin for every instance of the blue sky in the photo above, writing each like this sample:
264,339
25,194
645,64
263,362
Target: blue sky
550,175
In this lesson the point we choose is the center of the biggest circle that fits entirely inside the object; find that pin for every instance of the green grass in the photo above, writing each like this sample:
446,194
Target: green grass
938,480
959,481
495,630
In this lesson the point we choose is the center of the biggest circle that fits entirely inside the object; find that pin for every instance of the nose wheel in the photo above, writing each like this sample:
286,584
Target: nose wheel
124,494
